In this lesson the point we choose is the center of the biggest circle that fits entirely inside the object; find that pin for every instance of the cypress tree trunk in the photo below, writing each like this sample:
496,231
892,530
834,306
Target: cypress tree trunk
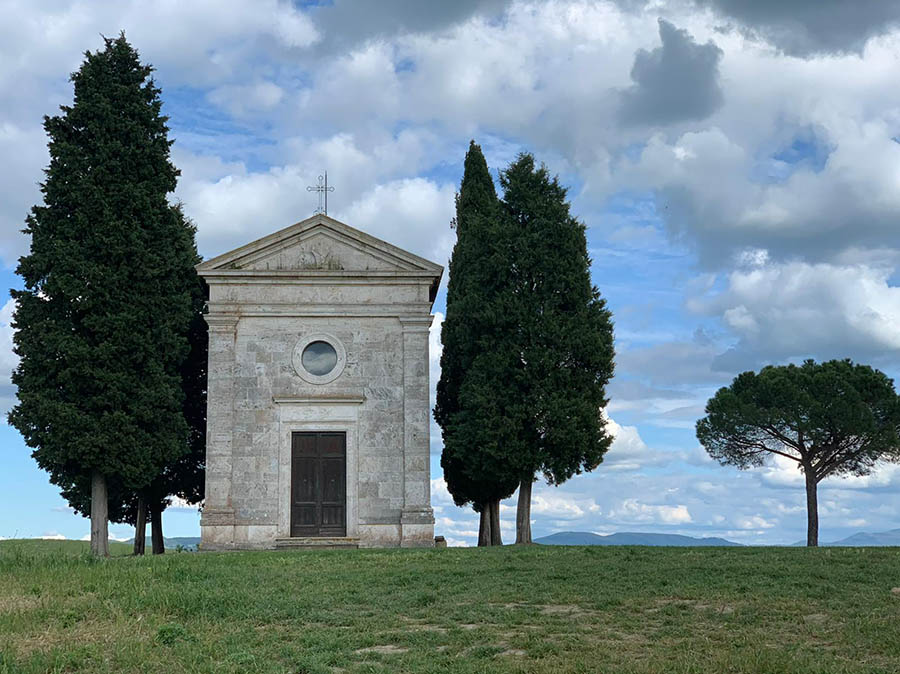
484,526
156,532
495,523
140,526
99,515
523,511
812,509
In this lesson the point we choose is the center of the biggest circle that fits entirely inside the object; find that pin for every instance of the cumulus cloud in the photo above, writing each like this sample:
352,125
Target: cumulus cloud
244,99
754,522
796,310
629,452
435,348
632,511
178,504
782,473
673,83
686,362
233,205
197,44
559,506
345,22
413,212
808,27
8,359
816,212
25,147
622,389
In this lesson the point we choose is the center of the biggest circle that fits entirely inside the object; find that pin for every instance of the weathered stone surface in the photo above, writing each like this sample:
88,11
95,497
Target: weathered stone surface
319,279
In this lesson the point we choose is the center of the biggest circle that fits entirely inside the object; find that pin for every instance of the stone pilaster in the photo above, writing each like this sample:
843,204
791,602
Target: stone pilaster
417,518
217,520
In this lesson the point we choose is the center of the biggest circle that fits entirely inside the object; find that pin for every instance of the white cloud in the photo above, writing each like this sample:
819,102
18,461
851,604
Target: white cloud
112,537
556,505
179,504
778,311
780,472
440,495
415,213
628,451
8,359
631,511
754,522
244,99
232,205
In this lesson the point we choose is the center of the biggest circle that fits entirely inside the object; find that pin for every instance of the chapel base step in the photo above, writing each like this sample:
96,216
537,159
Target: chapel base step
317,543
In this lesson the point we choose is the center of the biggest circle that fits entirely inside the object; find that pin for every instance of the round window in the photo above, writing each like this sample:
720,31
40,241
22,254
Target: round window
319,358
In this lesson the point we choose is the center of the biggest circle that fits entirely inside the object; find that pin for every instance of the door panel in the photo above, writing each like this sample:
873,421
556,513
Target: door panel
318,484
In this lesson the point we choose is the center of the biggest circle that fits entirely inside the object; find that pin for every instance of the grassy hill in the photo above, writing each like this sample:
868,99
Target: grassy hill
39,549
537,609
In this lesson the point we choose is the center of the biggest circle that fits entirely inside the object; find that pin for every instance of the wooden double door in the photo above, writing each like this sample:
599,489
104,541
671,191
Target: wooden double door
318,484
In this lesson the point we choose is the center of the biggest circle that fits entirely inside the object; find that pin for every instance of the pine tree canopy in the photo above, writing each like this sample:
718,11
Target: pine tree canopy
832,418
102,322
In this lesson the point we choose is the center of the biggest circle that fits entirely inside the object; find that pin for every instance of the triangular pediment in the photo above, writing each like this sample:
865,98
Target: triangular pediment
319,244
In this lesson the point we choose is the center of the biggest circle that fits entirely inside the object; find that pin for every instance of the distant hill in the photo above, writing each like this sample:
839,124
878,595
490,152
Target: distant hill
186,542
628,538
864,539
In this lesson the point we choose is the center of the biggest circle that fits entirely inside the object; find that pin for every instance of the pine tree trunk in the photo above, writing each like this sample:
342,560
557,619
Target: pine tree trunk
484,526
99,515
523,511
495,523
156,532
140,526
812,509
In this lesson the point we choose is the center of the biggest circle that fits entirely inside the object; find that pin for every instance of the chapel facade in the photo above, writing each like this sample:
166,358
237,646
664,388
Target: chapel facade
318,392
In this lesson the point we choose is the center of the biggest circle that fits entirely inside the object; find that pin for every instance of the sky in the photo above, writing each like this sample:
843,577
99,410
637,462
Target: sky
736,164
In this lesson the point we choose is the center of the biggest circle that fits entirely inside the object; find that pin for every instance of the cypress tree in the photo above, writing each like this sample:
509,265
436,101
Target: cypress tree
185,476
103,319
467,423
560,350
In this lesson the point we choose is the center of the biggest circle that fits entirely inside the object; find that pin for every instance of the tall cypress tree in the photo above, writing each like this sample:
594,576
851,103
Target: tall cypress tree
466,422
103,320
185,476
561,347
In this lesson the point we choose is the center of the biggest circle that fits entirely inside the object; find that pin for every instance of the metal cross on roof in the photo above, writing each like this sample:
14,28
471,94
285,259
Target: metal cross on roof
323,189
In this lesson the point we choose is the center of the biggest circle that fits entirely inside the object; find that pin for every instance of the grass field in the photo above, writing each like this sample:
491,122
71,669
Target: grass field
538,609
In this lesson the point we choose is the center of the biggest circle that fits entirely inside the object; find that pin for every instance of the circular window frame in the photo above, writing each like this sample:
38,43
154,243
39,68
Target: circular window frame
307,376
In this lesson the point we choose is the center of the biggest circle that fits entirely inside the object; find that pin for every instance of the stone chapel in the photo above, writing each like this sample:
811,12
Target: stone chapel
318,405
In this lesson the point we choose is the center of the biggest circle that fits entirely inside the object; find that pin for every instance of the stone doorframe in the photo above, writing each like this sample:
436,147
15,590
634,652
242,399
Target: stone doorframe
317,414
